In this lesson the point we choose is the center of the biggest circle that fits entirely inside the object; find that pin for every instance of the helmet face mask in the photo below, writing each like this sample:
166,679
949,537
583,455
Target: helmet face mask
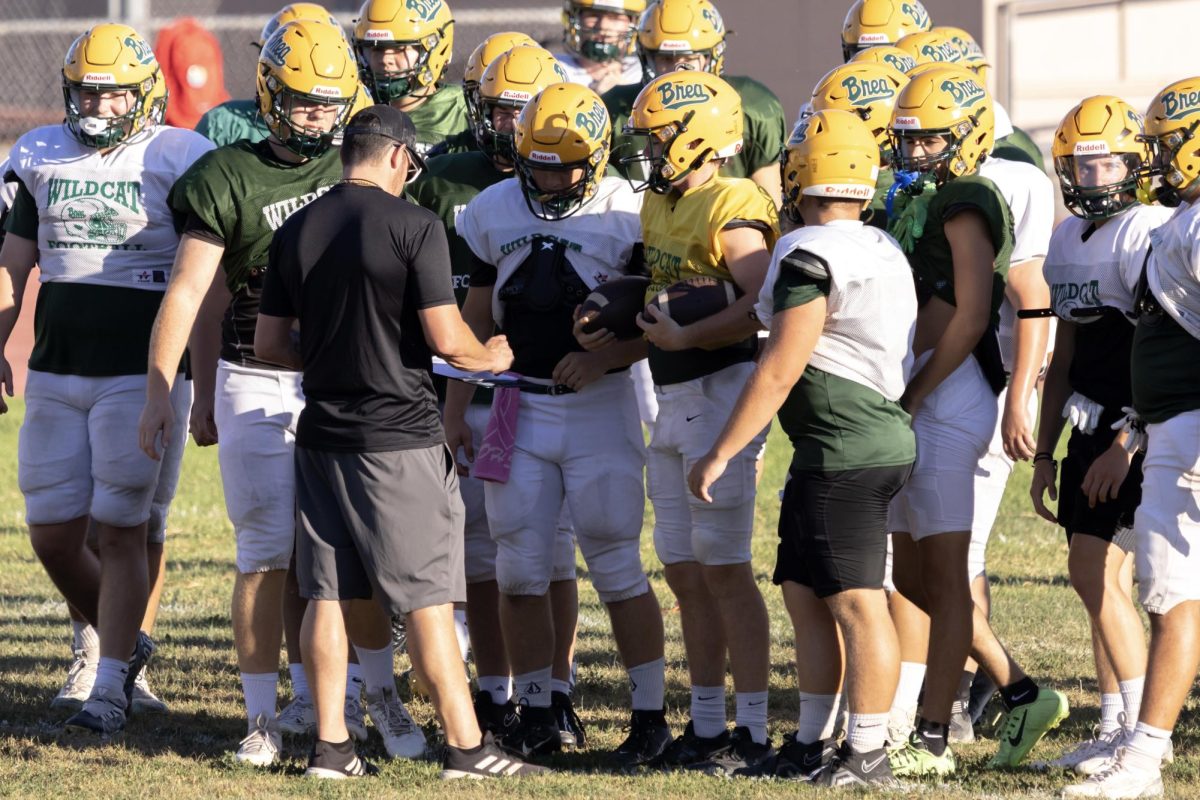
585,34
105,60
946,114
1091,188
936,164
386,28
480,59
687,30
652,157
389,85
301,139
559,202
107,130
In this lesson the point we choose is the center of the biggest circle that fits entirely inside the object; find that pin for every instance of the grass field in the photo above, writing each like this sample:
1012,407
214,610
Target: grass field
187,753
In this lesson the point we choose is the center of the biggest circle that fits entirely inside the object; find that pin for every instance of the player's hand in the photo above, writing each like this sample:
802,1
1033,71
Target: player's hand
704,474
662,331
7,382
501,353
597,340
154,427
1016,431
577,370
1043,482
458,437
202,424
1106,474
609,78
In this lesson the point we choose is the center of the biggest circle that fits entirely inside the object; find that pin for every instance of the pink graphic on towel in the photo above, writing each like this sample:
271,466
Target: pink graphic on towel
494,459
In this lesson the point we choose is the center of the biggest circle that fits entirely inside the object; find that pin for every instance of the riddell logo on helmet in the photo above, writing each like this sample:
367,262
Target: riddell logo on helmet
675,46
376,35
907,123
873,38
326,91
1091,148
543,157
1177,105
863,92
99,77
677,94
513,94
965,93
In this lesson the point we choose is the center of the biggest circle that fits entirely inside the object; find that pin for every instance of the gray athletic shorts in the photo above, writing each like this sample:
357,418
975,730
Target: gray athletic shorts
384,524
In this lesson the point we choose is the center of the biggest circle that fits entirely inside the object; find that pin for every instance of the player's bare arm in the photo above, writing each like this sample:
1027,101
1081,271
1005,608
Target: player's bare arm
1055,390
1025,288
17,259
275,342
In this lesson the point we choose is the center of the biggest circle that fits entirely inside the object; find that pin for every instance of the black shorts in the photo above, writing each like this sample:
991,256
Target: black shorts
386,524
833,528
1107,517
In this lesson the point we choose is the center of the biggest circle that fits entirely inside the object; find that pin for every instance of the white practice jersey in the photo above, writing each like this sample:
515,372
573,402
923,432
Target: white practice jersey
8,189
871,308
600,237
631,70
103,217
1173,271
1102,269
1003,126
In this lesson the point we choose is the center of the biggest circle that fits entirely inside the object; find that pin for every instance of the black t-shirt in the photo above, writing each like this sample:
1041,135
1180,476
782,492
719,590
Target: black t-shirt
355,267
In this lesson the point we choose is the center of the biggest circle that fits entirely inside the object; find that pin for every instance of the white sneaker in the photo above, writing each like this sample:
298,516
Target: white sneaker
299,718
1120,781
1103,752
355,722
78,685
262,745
144,700
401,736
900,725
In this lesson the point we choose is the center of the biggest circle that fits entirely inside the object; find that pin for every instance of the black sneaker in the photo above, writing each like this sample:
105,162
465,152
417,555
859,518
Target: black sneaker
143,648
799,760
570,726
485,761
102,716
536,734
689,749
493,717
337,762
849,768
649,735
744,757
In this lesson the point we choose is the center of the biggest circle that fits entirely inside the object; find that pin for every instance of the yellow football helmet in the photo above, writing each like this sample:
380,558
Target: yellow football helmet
425,25
874,22
484,54
591,43
685,119
564,128
867,89
972,53
1090,142
110,58
1171,124
831,154
682,27
294,11
949,102
306,61
511,81
888,54
930,47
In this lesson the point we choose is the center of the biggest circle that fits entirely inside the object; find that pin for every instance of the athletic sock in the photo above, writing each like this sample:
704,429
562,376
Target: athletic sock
752,714
110,677
1147,746
376,666
354,682
1131,699
299,682
908,689
818,717
500,687
1111,708
708,711
460,631
868,732
84,637
647,684
933,734
259,691
557,685
533,688
1019,693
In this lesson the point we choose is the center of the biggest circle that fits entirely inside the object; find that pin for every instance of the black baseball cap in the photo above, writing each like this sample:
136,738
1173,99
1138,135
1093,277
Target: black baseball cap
392,123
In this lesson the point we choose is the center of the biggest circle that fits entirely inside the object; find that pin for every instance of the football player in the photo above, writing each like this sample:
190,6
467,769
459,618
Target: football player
1165,373
697,223
91,213
871,23
598,37
541,243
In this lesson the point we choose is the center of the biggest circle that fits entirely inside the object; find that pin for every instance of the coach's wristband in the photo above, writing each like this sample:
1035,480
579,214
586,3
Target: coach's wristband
1045,457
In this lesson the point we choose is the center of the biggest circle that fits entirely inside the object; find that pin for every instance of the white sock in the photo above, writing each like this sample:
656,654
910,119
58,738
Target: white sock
500,687
560,686
110,677
752,714
708,711
533,688
299,682
818,717
912,678
354,681
1147,747
460,630
868,732
1131,699
647,684
259,691
1111,708
376,668
85,638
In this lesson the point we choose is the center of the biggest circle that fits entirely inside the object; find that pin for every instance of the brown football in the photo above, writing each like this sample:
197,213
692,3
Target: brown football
616,305
695,298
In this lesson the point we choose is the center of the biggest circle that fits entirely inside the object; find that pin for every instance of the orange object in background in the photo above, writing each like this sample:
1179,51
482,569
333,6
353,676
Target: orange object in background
192,63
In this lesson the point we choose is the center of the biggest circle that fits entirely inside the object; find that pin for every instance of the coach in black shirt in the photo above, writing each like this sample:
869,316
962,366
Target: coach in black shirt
367,275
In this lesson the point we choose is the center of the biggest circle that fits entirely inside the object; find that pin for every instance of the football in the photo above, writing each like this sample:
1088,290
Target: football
616,305
695,298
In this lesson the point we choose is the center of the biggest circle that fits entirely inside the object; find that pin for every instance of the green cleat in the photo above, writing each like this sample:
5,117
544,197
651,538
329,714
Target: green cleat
1025,725
914,759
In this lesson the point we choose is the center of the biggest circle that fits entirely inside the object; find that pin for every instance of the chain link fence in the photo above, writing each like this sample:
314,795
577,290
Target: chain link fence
35,35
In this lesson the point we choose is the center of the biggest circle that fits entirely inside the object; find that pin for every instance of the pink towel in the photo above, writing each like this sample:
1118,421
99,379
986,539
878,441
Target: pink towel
494,459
